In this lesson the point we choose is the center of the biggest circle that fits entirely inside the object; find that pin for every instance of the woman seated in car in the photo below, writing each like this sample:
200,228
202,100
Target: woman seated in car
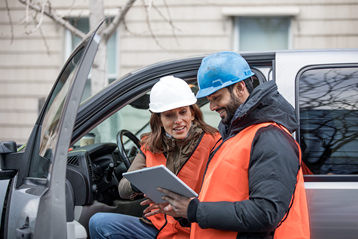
180,140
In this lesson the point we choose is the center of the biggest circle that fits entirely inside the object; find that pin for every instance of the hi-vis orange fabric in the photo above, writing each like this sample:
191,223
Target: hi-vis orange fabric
235,187
192,174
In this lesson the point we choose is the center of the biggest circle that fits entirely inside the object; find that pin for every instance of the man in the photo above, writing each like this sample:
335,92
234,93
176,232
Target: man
253,185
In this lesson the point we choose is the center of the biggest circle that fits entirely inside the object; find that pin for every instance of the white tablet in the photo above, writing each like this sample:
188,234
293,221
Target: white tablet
149,179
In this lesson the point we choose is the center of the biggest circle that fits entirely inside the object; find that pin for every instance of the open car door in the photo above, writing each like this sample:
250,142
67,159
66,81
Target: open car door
33,185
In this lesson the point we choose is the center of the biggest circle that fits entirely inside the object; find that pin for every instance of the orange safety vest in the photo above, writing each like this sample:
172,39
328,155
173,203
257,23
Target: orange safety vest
294,225
191,173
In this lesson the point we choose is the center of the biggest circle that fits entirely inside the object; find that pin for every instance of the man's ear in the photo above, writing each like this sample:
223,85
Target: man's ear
240,87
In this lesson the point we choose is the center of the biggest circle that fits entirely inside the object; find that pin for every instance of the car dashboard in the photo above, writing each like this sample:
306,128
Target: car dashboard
94,172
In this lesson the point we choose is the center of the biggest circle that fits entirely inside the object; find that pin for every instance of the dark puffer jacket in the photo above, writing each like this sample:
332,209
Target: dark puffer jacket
269,198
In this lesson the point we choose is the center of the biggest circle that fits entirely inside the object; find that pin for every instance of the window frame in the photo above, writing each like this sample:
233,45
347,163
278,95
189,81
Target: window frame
263,11
236,30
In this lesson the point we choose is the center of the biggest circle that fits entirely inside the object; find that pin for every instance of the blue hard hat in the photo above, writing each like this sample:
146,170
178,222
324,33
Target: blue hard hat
220,70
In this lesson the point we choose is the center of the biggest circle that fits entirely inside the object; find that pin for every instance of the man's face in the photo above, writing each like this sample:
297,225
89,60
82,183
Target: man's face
225,103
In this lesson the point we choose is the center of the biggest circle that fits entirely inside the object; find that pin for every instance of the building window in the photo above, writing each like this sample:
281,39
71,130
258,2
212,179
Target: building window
329,120
261,33
72,41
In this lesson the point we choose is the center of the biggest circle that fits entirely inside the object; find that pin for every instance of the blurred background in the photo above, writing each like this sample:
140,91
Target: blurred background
36,39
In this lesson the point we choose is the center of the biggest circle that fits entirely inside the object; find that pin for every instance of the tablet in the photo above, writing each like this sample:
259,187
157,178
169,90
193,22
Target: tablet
149,179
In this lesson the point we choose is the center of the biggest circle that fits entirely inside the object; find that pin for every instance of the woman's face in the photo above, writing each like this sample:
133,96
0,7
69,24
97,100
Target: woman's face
177,122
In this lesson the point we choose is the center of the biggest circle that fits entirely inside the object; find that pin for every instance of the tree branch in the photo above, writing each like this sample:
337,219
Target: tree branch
38,23
150,27
10,20
118,19
127,29
168,20
42,36
27,11
56,18
74,4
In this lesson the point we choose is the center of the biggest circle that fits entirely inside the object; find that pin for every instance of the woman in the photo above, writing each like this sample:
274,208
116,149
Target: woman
180,140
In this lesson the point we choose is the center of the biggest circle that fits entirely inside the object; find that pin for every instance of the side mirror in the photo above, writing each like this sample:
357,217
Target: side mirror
7,174
7,147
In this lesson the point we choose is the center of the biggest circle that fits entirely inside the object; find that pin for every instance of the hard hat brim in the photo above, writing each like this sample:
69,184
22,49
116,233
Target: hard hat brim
210,90
160,109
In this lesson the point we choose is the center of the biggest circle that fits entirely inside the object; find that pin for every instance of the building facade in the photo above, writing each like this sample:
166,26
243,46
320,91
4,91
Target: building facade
30,63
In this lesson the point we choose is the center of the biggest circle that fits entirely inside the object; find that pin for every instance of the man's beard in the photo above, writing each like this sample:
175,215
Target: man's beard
231,109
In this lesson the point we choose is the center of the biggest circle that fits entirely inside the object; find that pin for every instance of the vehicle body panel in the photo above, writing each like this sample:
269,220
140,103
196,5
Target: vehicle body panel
289,63
332,203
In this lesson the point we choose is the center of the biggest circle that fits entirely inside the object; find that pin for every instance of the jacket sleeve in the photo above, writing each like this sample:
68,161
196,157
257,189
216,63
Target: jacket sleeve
125,188
273,168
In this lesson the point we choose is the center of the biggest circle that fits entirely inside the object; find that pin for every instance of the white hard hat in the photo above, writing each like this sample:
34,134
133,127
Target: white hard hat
170,93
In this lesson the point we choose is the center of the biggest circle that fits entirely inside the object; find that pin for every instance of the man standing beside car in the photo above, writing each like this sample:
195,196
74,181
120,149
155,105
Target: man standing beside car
253,184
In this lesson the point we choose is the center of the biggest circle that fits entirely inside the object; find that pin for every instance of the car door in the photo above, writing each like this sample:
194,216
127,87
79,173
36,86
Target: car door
323,87
33,179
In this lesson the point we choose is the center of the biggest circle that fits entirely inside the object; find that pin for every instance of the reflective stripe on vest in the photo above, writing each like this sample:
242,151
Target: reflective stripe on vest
191,173
218,188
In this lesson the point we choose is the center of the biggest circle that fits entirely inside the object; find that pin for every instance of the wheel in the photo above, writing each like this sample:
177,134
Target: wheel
131,153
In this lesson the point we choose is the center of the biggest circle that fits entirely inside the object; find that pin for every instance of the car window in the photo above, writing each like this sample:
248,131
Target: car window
128,118
328,108
50,125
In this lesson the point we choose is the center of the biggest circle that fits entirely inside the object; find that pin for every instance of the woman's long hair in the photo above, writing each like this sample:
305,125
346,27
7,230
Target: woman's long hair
152,141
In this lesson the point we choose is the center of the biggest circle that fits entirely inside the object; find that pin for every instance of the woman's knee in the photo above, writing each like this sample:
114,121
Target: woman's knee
98,220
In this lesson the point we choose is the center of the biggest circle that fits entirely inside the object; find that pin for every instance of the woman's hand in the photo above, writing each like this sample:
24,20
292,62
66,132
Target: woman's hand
156,208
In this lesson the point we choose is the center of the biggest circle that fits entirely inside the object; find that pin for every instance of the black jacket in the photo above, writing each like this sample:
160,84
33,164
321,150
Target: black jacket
269,196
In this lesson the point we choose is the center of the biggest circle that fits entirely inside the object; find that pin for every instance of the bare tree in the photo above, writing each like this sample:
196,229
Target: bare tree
99,77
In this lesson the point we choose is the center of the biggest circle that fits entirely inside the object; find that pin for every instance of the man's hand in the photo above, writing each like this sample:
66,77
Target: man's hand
177,203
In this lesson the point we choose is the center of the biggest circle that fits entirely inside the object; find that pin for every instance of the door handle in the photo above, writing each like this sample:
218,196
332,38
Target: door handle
25,231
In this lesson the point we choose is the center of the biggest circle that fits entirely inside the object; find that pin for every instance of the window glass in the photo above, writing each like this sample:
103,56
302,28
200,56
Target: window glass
128,118
50,124
328,101
83,25
262,33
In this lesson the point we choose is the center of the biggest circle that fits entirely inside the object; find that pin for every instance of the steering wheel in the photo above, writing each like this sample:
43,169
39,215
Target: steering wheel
127,158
